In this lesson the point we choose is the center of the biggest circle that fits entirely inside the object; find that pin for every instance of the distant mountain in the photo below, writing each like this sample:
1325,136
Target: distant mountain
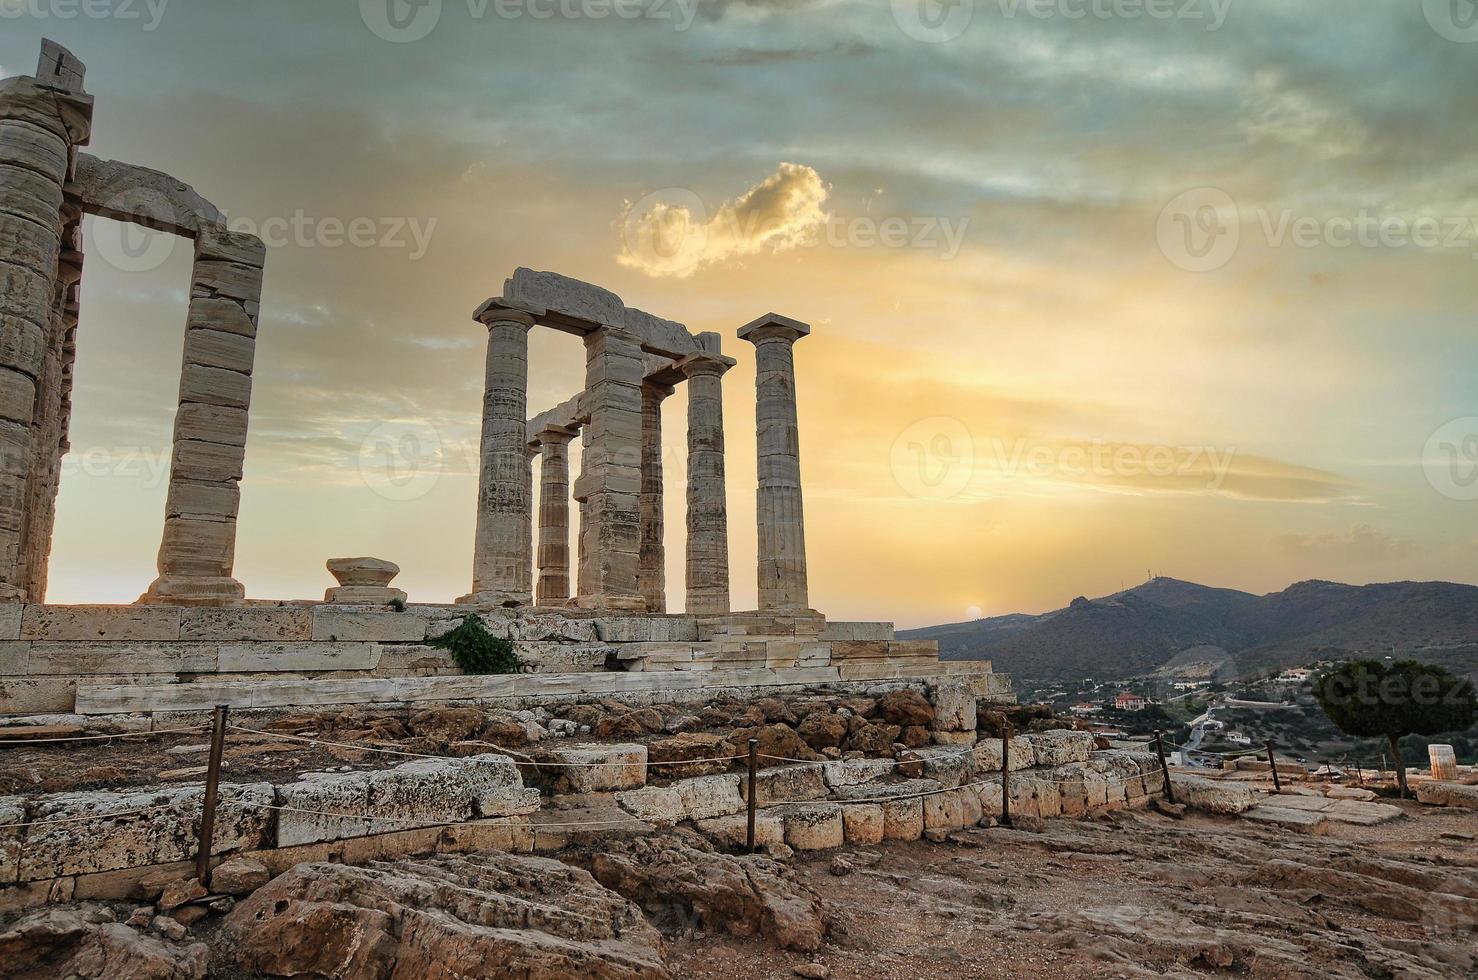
1166,622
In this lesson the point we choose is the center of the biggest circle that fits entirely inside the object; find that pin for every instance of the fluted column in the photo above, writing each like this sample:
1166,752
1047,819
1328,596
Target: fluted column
708,508
651,573
554,516
780,515
610,474
502,564
42,121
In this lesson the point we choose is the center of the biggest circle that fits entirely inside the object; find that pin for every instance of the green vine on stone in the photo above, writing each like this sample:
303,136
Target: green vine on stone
476,651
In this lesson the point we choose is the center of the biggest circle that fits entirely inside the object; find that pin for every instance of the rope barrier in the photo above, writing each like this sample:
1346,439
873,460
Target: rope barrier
422,823
88,817
94,738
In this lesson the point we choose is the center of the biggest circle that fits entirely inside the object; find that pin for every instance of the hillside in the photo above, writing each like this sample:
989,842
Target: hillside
1166,622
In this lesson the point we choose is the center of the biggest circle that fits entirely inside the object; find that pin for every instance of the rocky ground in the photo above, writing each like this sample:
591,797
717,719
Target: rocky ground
1134,894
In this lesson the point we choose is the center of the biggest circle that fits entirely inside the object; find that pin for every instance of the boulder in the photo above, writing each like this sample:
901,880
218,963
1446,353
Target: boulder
447,725
778,745
710,796
65,942
874,739
822,730
1199,793
440,918
748,896
632,724
690,754
906,707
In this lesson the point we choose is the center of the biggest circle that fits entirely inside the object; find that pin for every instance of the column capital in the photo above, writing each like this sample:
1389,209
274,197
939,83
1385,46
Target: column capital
552,435
657,389
773,326
705,365
498,310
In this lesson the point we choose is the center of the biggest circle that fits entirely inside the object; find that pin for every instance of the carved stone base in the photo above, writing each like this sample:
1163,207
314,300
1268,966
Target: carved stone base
181,590
496,600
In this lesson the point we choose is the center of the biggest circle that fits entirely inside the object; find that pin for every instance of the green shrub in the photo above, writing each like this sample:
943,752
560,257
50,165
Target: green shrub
476,651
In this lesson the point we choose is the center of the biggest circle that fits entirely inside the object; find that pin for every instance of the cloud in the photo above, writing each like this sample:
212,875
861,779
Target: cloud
1361,543
669,233
1278,112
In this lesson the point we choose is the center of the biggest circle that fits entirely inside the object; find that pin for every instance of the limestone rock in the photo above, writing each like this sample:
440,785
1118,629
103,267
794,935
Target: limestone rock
954,707
705,797
822,730
905,707
690,754
239,876
787,784
778,744
1200,793
660,806
813,826
177,893
62,942
441,918
604,768
1058,748
742,896
874,739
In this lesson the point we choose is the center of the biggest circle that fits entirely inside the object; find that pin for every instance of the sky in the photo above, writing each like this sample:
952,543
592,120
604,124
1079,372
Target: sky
1098,288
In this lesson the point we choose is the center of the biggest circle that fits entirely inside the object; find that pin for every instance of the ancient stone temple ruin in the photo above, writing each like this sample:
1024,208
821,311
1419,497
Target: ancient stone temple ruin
589,623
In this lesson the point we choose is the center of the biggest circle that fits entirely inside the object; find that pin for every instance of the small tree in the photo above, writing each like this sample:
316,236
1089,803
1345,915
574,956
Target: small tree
1369,699
476,651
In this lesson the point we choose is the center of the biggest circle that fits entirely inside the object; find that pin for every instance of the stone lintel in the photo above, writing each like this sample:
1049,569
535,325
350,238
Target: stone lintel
499,310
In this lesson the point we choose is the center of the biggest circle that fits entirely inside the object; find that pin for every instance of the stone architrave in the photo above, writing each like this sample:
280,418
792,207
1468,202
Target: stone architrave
502,567
708,509
652,566
198,553
554,516
610,475
780,515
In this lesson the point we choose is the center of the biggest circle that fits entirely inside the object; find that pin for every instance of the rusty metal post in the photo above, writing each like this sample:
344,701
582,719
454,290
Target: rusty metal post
212,787
1164,767
1273,764
1005,774
754,748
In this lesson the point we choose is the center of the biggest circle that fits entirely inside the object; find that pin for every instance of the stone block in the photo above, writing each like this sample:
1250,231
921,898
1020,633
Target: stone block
280,624
90,659
988,754
211,424
113,836
215,386
954,707
323,807
220,349
944,811
1436,793
785,784
903,819
647,629
10,620
604,768
553,629
947,764
1443,762
705,797
855,772
956,739
660,806
266,657
1200,793
12,811
857,631
100,623
202,501
206,462
814,826
1060,748
380,625
732,831
37,695
862,823
15,658
220,315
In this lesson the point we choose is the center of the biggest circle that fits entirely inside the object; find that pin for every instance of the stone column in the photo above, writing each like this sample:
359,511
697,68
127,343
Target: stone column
502,562
198,554
610,475
42,122
554,516
782,527
708,509
652,565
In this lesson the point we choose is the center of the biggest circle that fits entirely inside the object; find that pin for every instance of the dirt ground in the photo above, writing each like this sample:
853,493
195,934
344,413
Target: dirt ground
1137,895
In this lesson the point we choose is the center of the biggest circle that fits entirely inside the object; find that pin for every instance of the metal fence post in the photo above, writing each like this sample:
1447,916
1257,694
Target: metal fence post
754,748
212,787
1164,767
